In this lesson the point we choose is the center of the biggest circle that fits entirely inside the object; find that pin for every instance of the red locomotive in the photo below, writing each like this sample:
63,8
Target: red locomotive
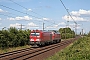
40,37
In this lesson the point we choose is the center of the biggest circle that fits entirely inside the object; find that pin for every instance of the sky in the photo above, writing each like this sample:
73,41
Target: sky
32,14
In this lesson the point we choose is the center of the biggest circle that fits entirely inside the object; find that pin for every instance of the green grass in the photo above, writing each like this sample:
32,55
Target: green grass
13,49
79,50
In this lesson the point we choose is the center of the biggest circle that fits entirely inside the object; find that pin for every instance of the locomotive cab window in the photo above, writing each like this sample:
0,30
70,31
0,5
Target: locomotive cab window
35,34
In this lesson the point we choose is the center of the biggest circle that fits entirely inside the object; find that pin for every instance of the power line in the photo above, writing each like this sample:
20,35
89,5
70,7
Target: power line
21,26
70,15
18,11
67,11
21,12
6,15
13,17
25,8
12,13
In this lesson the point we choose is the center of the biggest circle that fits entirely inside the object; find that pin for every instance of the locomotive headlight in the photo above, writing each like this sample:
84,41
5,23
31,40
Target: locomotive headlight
31,39
35,40
38,39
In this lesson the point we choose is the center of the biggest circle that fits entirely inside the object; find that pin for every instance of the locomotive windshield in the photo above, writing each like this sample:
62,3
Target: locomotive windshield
35,34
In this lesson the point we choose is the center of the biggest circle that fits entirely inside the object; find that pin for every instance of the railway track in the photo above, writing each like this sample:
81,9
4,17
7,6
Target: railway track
13,52
31,53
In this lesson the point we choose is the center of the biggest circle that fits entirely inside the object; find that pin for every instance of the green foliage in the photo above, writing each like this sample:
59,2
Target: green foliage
89,34
13,38
79,50
66,33
4,39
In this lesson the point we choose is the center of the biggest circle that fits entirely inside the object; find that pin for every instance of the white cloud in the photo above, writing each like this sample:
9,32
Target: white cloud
27,26
75,13
80,12
80,15
16,25
31,24
0,23
60,24
0,19
20,18
63,25
43,19
1,10
29,9
46,19
57,25
73,26
76,18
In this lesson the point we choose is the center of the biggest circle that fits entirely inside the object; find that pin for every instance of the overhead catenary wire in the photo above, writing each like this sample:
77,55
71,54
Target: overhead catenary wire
25,8
12,14
69,15
31,11
17,25
19,11
24,13
68,11
14,17
6,15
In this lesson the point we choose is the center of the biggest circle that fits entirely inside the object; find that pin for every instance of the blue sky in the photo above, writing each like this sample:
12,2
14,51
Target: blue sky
33,13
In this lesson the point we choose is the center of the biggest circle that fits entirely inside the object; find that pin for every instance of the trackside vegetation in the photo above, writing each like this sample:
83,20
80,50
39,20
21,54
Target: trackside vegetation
5,50
79,50
13,38
66,33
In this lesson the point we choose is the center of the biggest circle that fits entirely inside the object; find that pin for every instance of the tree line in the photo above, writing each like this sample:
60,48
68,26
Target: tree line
13,38
88,34
66,33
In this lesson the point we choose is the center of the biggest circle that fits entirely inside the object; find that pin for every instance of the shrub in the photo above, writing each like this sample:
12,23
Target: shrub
14,37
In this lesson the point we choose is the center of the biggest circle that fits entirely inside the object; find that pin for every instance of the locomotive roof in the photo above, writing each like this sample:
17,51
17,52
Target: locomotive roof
55,31
41,30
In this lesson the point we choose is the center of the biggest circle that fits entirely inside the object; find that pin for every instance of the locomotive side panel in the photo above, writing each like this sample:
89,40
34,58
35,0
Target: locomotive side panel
47,36
39,37
56,36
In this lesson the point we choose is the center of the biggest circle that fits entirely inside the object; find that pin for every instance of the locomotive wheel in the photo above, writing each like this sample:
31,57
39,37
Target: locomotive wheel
58,41
41,44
